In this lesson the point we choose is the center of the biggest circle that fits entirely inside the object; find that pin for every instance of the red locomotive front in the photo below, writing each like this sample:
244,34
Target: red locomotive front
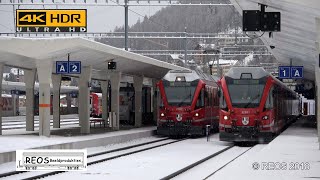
188,102
254,105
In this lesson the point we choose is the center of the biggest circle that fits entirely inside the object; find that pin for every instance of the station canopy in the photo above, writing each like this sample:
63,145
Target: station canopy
298,35
25,52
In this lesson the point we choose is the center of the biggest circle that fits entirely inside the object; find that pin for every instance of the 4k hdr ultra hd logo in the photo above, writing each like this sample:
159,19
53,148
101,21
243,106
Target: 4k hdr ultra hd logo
51,20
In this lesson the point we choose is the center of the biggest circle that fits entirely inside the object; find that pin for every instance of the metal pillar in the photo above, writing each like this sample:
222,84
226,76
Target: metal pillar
30,77
115,78
218,63
56,83
126,16
1,103
137,83
44,69
185,47
84,98
317,77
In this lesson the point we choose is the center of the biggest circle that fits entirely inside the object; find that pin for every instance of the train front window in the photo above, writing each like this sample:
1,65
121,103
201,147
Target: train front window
179,95
245,93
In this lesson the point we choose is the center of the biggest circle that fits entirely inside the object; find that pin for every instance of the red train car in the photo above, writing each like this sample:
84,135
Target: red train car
254,105
96,104
189,101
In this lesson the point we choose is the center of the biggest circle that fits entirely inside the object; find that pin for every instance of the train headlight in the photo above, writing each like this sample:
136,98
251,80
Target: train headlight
162,114
196,114
265,117
225,117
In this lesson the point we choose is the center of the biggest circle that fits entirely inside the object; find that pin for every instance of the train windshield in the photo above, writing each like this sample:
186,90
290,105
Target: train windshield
245,93
179,95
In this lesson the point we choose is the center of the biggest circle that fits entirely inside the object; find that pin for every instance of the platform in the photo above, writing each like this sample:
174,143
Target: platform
68,138
297,148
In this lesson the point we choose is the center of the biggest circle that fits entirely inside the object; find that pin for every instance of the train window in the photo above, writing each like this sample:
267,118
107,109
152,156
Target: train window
161,103
223,103
200,101
206,98
269,102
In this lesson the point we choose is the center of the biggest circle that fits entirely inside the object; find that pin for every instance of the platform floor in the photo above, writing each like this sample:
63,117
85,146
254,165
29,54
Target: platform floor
63,135
297,148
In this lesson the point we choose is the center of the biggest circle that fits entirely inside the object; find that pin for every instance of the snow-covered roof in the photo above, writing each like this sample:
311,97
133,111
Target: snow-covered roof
26,52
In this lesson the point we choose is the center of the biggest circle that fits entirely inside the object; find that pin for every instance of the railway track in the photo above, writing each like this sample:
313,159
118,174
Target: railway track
95,158
193,165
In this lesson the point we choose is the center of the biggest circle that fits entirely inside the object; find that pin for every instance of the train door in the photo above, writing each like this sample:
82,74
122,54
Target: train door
277,105
208,100
305,108
211,107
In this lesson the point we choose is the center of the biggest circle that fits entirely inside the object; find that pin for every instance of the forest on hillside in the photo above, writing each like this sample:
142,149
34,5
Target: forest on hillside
196,19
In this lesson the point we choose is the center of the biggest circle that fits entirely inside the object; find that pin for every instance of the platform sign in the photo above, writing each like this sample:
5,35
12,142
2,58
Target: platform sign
297,72
284,72
290,72
68,67
74,67
62,67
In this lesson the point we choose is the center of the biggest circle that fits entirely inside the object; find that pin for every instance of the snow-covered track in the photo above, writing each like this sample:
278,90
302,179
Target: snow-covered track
228,163
170,176
96,158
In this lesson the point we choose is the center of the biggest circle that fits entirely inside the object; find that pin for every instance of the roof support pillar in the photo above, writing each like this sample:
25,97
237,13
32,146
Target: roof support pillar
84,98
104,88
44,69
154,100
30,77
138,83
115,78
1,102
56,83
317,77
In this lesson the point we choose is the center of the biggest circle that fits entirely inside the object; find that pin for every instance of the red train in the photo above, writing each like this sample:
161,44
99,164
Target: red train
96,104
254,105
189,101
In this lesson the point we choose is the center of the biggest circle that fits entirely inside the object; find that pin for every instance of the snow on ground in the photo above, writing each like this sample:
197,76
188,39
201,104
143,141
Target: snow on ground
14,142
208,167
121,145
6,167
150,164
296,148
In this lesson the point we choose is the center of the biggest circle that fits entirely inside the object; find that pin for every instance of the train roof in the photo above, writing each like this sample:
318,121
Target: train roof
256,72
190,75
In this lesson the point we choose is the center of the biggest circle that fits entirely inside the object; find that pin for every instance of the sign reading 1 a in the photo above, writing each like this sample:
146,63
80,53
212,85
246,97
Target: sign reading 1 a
68,67
290,72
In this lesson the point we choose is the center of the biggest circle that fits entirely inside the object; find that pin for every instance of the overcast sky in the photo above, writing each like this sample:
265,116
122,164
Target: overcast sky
100,19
